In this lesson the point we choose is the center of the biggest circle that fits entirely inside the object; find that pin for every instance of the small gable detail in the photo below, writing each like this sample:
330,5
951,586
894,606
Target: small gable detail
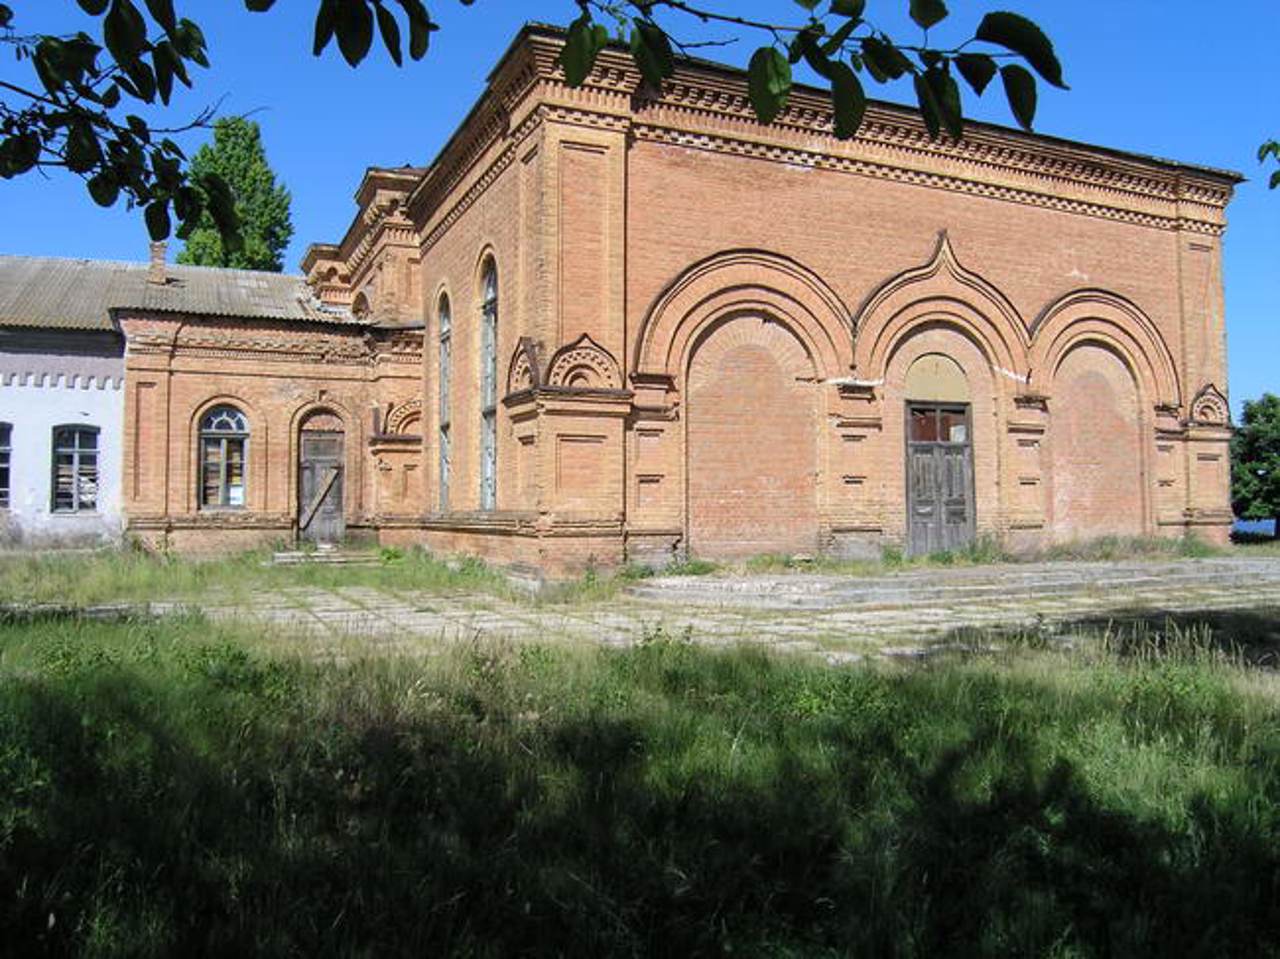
585,364
1210,407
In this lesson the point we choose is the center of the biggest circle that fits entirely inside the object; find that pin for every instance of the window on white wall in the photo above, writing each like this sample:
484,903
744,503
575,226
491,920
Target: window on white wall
75,469
446,360
6,435
224,446
489,389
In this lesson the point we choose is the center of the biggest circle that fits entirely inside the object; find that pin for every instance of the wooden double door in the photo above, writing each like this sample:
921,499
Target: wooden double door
320,468
940,513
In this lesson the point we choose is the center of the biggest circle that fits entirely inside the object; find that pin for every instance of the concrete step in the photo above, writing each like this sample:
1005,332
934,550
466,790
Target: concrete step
976,586
325,557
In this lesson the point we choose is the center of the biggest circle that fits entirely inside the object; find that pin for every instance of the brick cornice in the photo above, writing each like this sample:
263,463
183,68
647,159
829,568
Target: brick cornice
705,106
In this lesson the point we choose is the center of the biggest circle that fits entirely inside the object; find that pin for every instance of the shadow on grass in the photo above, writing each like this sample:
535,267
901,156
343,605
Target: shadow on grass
136,825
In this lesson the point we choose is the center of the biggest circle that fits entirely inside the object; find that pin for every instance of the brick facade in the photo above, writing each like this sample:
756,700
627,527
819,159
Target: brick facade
705,330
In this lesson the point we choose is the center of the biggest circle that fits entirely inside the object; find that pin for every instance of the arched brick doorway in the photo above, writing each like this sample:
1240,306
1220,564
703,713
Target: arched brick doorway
1096,447
751,442
321,464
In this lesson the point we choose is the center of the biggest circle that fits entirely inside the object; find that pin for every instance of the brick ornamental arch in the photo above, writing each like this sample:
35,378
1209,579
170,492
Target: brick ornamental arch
744,340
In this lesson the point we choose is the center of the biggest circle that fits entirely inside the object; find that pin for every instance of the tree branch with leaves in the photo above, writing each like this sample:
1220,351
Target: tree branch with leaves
80,112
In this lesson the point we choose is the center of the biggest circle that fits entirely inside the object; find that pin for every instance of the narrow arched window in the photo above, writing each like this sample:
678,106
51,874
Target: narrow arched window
446,362
6,434
224,450
75,469
489,389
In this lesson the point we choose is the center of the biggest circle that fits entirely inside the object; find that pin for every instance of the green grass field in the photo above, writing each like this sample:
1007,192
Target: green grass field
171,787
135,576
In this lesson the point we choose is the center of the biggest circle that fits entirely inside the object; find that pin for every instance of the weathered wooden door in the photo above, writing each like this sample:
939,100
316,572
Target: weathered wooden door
320,515
940,513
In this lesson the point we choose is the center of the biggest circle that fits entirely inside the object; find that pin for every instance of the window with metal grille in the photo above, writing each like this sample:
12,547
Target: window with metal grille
75,469
224,449
489,389
6,433
446,357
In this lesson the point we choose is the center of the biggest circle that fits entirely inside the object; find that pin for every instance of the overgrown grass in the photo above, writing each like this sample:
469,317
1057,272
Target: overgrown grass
986,551
133,575
168,788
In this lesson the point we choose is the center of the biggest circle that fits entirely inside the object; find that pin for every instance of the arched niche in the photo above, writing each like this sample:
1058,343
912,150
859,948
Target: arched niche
744,282
941,291
1110,320
936,377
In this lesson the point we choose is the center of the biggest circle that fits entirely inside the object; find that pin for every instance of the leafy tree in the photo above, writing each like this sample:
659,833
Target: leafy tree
261,204
76,112
1255,461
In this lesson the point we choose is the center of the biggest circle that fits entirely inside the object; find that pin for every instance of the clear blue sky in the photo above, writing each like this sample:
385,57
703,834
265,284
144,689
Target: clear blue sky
1173,78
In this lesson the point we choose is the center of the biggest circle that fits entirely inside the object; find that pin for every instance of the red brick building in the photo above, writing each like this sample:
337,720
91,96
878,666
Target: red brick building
616,323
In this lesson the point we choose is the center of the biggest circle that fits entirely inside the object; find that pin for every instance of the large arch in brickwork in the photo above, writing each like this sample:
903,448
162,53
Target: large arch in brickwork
742,342
944,292
1106,370
744,281
1114,322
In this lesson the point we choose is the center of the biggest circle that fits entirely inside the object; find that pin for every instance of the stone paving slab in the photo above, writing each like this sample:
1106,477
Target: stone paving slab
840,618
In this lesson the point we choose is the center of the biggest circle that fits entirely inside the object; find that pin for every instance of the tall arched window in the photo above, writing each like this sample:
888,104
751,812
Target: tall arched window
489,389
224,447
446,357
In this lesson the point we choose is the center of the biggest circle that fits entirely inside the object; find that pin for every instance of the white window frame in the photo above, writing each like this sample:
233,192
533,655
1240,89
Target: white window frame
69,440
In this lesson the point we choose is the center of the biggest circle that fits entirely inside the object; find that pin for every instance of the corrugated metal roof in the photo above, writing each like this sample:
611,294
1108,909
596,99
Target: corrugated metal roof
79,294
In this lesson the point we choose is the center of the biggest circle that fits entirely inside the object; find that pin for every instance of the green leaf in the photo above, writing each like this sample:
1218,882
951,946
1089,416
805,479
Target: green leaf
849,8
326,18
1270,148
1275,179
1017,33
390,31
157,217
104,188
651,50
946,96
838,37
1020,88
124,32
259,6
585,41
188,40
19,153
82,152
354,29
928,12
93,7
420,27
162,11
928,105
768,82
164,58
978,70
143,80
848,99
884,60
